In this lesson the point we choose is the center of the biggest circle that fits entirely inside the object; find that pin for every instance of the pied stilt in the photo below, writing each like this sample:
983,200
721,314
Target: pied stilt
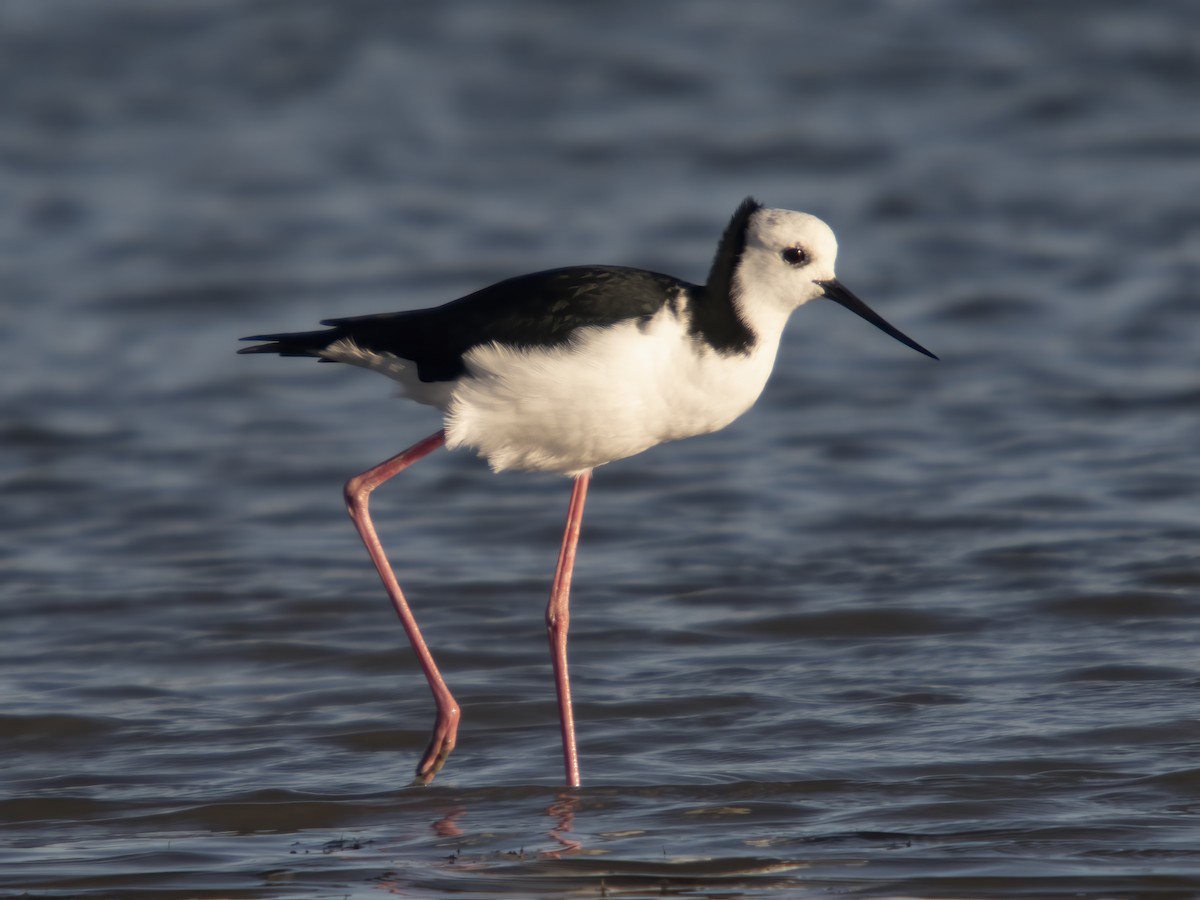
568,369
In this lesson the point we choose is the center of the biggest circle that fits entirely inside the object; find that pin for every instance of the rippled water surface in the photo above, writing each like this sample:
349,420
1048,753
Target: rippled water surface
906,629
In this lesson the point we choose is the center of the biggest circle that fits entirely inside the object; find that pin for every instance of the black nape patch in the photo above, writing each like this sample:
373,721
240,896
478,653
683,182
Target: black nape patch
714,318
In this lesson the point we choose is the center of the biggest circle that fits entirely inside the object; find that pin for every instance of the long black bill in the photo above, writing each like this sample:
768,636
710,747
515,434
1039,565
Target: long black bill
840,295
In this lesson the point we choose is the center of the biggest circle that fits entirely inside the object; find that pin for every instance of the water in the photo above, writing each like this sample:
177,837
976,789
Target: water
906,629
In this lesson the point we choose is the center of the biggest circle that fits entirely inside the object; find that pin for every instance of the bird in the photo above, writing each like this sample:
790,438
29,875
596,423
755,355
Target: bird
568,369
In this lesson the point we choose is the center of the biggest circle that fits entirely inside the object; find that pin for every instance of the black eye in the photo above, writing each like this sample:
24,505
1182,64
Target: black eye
795,256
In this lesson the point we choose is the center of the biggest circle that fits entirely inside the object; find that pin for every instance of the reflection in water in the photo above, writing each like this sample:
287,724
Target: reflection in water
563,810
447,825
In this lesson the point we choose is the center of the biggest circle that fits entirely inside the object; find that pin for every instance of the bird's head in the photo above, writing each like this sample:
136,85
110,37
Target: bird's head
787,259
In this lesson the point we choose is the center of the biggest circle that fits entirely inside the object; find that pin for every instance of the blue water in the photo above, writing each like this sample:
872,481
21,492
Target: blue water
906,629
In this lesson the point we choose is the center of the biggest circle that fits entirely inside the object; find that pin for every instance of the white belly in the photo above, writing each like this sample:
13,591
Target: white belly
611,393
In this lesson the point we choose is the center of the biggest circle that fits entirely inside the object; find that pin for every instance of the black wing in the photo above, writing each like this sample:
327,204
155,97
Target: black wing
542,309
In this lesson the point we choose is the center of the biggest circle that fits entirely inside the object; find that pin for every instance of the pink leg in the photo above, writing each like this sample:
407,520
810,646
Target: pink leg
358,491
558,618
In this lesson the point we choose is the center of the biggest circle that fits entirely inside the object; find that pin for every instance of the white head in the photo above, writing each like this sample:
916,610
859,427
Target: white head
786,256
781,260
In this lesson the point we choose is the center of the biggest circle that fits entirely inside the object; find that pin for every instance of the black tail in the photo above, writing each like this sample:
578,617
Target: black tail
297,343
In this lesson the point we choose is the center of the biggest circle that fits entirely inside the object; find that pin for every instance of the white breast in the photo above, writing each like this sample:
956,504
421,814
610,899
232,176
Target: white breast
612,392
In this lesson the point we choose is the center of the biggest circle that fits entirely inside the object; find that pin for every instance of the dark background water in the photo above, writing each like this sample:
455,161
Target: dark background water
906,629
